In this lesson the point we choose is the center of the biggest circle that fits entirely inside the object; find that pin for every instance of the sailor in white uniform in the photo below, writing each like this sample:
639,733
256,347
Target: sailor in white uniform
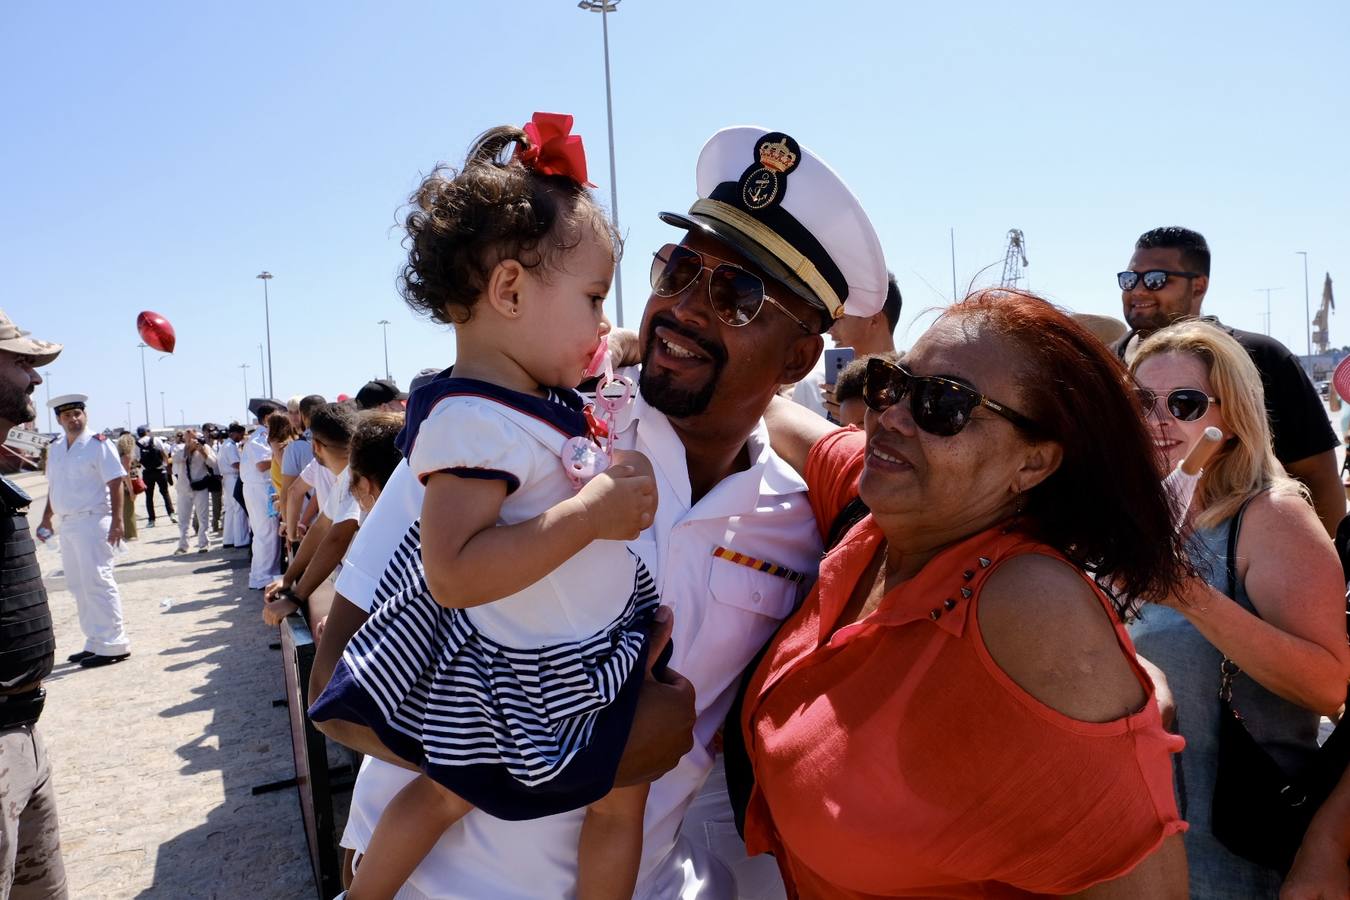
236,520
84,488
255,466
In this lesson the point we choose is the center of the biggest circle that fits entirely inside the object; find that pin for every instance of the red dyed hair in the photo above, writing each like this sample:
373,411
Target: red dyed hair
1105,507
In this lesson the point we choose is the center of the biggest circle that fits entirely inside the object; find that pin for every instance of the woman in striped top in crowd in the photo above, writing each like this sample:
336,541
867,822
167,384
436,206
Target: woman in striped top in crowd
507,642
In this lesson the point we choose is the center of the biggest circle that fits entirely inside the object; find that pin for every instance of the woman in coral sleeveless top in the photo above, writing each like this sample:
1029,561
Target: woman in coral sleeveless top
956,710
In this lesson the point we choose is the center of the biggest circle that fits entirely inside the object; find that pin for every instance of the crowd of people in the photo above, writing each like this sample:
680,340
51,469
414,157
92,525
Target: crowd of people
617,614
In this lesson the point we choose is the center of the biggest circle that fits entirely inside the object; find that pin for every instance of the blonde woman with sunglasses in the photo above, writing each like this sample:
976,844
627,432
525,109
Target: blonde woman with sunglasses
1283,625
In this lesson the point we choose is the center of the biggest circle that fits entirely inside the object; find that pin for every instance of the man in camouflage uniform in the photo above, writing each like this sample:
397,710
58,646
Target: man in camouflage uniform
30,843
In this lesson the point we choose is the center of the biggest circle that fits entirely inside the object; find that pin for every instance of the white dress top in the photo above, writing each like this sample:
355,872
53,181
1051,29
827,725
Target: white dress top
78,474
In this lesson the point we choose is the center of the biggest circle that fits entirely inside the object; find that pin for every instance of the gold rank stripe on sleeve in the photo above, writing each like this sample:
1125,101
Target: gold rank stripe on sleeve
759,565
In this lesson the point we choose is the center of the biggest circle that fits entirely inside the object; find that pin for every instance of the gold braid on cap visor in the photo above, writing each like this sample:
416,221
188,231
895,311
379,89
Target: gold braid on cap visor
787,254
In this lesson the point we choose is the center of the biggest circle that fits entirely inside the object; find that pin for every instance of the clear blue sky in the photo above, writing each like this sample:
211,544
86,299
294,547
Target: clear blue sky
158,155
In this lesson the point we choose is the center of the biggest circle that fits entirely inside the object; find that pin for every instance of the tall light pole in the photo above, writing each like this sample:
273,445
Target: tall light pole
1307,308
604,8
244,367
47,380
144,388
270,387
1267,292
261,372
163,416
128,414
384,325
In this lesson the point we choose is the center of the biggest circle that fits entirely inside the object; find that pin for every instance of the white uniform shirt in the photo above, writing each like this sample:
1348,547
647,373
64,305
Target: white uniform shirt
228,457
724,613
78,474
254,451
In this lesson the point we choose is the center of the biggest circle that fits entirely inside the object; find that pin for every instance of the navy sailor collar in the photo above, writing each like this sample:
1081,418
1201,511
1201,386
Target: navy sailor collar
562,408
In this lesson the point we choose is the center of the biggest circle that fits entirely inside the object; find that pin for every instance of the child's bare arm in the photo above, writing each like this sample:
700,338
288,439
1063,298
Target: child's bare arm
470,560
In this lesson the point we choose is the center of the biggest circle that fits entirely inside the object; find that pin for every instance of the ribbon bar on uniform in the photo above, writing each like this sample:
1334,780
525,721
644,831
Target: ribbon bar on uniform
759,565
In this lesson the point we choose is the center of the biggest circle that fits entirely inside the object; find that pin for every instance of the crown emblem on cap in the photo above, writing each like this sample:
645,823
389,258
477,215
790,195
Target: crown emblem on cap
777,155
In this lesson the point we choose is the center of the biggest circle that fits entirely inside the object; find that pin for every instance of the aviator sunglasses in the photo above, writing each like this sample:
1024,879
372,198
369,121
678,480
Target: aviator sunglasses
734,294
940,406
1154,279
1185,404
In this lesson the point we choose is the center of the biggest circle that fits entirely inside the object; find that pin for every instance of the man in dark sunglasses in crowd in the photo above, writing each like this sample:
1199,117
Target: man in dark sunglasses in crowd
1166,281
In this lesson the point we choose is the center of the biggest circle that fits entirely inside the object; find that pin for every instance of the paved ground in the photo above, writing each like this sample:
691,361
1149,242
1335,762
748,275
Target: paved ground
154,758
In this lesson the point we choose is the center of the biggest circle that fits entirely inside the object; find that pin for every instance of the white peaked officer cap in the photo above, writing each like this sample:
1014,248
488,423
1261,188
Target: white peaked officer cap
784,209
68,401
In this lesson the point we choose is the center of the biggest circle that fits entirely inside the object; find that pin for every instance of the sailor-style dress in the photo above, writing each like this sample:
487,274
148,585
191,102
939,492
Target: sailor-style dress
521,706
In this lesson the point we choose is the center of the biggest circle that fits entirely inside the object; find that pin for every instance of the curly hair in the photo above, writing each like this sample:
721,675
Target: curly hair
1105,507
463,223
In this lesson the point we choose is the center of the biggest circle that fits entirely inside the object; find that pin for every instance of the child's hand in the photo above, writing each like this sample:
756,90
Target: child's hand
621,501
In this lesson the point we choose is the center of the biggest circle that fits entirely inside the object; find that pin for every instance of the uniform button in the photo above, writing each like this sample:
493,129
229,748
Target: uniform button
756,597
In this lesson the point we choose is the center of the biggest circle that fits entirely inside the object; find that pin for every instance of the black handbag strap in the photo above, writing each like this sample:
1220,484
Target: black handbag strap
1228,669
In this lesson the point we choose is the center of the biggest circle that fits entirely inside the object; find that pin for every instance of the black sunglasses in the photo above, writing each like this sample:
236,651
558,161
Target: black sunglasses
940,406
1185,404
1154,279
736,295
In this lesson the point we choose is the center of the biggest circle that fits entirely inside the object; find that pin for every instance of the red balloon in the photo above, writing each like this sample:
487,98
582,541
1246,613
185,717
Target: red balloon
343,398
156,331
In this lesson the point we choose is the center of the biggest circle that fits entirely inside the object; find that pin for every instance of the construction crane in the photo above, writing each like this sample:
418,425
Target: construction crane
1015,259
1321,325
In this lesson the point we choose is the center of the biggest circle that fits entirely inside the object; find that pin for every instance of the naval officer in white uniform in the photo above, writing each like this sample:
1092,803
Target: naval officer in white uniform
84,488
255,467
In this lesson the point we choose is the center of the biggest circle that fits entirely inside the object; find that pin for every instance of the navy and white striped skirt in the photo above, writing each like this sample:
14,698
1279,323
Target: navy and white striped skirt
519,733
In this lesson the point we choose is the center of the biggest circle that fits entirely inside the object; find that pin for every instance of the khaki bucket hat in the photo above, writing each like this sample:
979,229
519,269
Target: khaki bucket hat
16,340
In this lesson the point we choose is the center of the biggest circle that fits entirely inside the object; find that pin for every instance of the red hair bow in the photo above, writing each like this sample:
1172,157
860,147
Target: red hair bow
553,149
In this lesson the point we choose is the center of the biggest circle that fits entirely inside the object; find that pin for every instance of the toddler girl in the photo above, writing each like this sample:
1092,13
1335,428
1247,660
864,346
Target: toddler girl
505,649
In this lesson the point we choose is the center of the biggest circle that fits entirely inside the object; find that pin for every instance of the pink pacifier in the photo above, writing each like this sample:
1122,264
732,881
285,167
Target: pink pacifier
584,457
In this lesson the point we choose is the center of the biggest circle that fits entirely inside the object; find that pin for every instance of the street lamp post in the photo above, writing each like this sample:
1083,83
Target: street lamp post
270,387
144,387
244,367
604,8
1267,292
128,414
1307,308
384,325
265,388
47,379
163,416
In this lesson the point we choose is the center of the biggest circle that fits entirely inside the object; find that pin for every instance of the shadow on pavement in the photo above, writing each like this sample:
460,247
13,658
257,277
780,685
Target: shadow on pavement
248,846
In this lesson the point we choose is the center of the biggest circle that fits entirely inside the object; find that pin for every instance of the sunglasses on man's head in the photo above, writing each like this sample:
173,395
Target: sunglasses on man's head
1185,404
940,406
1154,279
735,295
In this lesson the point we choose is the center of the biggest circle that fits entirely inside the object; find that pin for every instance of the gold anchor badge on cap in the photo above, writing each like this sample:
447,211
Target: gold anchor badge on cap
765,182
